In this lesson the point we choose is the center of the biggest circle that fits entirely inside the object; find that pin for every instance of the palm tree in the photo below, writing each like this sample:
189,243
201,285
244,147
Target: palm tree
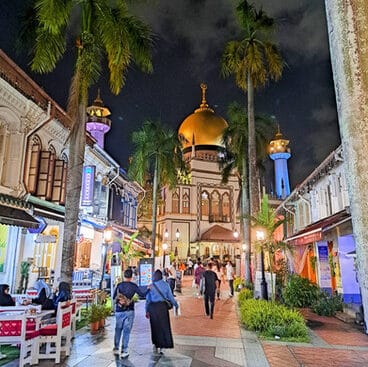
267,222
253,60
235,139
100,29
157,150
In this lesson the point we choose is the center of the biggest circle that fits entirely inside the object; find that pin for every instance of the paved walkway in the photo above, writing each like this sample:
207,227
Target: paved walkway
221,342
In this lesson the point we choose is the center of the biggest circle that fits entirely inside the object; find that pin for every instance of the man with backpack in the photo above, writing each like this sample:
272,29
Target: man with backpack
124,311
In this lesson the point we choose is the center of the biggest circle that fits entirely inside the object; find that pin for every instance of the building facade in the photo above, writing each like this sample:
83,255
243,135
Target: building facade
199,217
320,231
33,171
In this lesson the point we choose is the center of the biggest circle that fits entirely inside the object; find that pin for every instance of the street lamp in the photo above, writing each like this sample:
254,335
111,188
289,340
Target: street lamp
164,248
264,293
177,236
107,238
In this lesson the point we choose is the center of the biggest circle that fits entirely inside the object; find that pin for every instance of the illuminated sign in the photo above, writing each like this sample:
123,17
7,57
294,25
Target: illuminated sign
88,182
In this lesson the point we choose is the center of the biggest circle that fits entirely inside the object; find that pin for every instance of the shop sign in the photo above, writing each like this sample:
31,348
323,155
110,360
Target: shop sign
41,238
88,181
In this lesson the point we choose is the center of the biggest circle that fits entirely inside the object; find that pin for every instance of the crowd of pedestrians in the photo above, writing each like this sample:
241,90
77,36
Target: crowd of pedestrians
160,298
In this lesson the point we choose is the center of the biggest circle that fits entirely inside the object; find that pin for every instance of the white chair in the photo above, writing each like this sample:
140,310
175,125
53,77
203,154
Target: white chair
73,304
13,331
58,334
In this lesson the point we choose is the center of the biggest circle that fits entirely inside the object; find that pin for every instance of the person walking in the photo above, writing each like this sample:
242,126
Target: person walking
230,277
124,311
211,284
217,268
171,277
158,313
197,277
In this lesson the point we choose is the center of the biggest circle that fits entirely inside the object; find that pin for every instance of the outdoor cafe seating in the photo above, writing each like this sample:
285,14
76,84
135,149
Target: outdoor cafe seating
23,325
15,328
56,338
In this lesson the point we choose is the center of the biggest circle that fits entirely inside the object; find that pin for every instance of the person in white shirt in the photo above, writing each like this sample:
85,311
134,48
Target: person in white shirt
171,278
230,277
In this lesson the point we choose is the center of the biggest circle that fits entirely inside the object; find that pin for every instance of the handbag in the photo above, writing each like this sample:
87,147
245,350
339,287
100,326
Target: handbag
122,300
168,303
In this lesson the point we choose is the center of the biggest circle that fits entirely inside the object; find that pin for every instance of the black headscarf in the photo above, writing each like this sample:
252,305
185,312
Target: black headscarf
5,299
157,275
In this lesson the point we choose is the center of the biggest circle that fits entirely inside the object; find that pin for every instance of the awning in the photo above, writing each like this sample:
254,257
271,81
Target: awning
313,232
17,217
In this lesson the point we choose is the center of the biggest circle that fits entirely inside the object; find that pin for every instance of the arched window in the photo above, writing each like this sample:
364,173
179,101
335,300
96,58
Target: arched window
34,165
226,207
186,203
175,203
204,205
215,207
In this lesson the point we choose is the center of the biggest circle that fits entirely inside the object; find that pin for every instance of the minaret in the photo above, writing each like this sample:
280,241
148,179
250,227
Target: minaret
280,152
97,122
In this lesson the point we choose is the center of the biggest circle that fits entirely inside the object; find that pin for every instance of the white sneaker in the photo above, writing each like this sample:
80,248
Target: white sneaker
116,351
124,355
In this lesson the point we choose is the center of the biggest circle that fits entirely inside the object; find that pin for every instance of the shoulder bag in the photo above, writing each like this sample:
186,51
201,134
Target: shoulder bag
168,303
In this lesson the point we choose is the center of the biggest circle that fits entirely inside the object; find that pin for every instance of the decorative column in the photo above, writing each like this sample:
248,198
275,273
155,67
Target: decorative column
348,33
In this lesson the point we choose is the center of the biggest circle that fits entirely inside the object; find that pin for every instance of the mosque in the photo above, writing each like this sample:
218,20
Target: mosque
200,217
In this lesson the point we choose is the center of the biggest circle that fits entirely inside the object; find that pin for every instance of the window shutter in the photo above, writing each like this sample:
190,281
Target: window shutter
50,176
43,173
33,169
63,183
58,180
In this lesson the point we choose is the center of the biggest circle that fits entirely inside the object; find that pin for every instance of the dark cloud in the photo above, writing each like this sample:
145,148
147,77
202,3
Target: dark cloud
190,36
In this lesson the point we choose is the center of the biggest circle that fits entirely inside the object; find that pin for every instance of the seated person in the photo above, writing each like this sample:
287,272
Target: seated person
63,294
43,295
5,298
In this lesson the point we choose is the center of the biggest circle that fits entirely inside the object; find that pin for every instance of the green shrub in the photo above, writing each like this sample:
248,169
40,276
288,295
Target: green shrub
244,294
238,284
326,305
299,292
271,319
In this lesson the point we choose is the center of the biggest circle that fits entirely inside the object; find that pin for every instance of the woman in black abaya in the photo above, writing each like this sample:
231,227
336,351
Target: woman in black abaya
158,314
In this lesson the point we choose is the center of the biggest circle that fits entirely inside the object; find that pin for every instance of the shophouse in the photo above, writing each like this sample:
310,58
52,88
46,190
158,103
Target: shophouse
33,171
320,231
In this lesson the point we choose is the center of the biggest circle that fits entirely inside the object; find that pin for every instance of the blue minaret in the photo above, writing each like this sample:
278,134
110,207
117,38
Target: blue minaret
280,153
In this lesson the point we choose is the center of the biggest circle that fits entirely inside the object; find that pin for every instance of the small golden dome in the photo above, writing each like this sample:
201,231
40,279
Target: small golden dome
98,109
203,127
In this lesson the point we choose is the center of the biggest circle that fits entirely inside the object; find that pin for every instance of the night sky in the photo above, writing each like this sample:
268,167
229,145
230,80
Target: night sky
189,40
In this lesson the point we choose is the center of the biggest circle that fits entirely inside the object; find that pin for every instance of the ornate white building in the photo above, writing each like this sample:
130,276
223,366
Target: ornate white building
33,171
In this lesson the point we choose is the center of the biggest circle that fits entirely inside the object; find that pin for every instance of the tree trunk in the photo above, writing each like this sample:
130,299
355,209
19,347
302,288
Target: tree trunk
77,143
252,154
154,208
252,164
348,33
245,222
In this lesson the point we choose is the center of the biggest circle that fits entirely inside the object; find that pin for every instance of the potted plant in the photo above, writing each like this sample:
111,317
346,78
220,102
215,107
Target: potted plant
94,318
104,312
101,311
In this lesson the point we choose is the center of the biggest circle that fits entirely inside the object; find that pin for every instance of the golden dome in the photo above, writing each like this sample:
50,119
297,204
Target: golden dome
203,127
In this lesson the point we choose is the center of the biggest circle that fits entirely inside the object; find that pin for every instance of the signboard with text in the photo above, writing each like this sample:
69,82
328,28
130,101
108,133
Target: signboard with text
88,181
145,272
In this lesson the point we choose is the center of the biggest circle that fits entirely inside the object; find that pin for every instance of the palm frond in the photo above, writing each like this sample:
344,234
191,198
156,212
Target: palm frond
53,15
